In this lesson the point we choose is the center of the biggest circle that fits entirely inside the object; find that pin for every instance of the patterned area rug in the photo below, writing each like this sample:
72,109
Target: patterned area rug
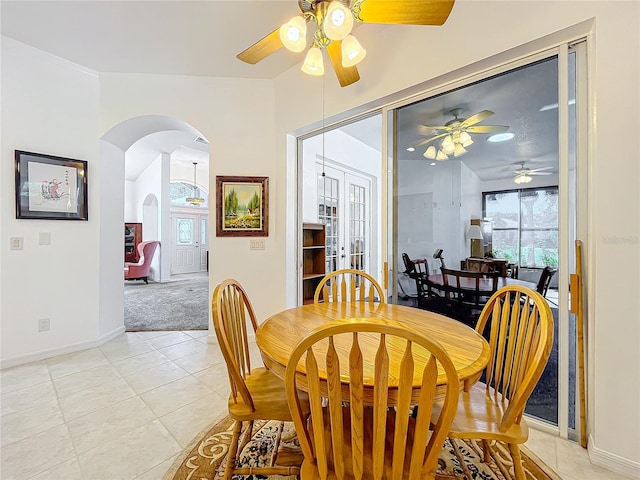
205,457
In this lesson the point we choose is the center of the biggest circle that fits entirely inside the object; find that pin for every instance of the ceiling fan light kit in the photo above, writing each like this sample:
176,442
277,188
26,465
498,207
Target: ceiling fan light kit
524,175
334,21
522,179
456,134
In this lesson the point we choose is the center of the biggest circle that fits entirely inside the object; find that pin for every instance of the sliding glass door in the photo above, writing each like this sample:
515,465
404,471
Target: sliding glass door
496,149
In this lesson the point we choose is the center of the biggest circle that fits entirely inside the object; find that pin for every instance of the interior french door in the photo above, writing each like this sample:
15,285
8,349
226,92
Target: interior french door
190,243
344,206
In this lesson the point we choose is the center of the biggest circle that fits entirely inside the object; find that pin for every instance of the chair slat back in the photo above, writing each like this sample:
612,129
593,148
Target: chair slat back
520,338
356,440
349,285
231,309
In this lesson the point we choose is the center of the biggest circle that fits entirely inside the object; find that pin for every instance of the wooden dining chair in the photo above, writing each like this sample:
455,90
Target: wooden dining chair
350,436
349,285
520,332
256,393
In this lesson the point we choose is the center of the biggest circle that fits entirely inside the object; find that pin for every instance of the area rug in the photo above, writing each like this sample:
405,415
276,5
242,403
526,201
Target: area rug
205,457
181,304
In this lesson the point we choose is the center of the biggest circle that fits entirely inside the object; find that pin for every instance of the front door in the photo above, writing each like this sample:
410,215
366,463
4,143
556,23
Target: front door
190,243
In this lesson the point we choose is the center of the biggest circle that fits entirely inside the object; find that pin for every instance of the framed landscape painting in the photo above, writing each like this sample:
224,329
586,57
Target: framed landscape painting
242,205
50,187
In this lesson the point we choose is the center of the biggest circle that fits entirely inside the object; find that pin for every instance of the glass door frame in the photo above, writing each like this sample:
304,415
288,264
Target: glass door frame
565,254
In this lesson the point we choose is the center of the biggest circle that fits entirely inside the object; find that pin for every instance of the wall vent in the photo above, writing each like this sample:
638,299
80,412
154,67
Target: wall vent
201,140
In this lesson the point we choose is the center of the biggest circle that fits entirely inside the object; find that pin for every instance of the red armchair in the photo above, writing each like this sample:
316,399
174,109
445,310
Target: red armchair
140,270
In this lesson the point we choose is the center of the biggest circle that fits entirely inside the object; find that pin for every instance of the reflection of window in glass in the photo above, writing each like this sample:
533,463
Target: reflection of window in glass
525,225
357,227
180,191
328,215
185,231
203,232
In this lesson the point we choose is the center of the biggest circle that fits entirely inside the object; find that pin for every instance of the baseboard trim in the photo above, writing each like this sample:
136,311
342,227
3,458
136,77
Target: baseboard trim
613,462
52,352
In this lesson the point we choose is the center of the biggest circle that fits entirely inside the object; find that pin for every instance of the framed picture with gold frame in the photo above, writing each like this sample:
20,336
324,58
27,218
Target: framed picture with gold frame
242,206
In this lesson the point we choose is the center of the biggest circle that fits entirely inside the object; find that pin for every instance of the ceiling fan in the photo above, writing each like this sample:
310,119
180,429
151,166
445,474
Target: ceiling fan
334,20
523,175
456,133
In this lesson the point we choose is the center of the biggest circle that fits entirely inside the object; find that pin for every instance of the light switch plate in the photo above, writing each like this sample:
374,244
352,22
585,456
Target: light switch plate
256,244
15,243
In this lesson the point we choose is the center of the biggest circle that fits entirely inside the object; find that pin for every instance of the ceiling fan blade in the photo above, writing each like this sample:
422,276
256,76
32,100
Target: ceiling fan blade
477,118
410,12
262,48
426,131
346,75
540,169
539,173
424,142
487,129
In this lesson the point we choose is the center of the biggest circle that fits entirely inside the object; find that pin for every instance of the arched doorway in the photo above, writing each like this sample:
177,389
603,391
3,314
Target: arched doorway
147,154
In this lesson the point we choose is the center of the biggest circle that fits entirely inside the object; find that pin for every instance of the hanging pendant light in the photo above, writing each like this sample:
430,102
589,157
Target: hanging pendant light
196,199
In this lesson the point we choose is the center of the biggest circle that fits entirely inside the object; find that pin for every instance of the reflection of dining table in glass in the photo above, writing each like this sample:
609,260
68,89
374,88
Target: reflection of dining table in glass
280,333
435,280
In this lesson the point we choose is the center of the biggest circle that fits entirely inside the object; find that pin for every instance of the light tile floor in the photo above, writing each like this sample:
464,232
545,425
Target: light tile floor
126,410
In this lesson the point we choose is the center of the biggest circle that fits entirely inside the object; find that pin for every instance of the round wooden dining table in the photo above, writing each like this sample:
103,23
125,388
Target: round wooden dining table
278,335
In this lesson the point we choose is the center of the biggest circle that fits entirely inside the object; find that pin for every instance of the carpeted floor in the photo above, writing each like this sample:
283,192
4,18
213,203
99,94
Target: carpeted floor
182,304
205,457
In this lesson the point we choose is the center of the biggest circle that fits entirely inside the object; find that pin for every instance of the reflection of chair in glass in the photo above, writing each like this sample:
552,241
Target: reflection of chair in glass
256,393
349,285
520,332
353,435
545,279
140,270
418,270
466,292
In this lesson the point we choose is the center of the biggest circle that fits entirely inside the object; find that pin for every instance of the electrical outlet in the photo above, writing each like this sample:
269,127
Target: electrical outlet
44,324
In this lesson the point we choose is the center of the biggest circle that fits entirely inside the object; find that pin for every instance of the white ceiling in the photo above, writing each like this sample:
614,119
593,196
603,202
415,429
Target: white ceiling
203,38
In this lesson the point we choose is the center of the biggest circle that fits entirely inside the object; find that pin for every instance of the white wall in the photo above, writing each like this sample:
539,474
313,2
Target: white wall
130,211
48,106
613,252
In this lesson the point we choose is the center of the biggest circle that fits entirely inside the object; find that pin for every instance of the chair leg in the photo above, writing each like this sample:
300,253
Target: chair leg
233,450
514,449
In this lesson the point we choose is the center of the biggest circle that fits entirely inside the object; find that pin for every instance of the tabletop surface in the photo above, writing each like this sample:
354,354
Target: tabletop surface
280,333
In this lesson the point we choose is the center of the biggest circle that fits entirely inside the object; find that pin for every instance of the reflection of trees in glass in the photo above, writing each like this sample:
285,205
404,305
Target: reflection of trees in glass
528,218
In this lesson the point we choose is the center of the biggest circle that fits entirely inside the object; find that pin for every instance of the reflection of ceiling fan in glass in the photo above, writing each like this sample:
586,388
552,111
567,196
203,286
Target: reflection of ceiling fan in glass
523,175
334,20
455,134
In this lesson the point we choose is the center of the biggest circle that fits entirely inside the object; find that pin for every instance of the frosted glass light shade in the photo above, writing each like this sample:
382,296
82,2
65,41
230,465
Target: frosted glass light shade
313,64
441,156
465,139
338,21
352,51
293,34
430,153
522,179
459,150
447,145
